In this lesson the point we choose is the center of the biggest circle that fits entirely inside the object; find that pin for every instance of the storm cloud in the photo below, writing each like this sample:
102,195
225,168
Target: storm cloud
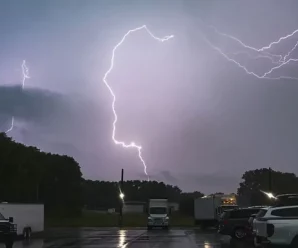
32,105
201,120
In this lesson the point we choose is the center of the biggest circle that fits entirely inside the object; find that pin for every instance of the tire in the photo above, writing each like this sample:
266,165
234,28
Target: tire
27,233
294,242
9,243
256,244
239,233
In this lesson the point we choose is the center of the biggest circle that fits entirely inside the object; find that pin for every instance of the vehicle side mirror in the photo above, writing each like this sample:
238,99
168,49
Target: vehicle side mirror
10,219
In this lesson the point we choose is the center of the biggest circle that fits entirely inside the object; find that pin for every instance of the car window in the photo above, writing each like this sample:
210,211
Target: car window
285,212
261,213
243,213
224,215
254,211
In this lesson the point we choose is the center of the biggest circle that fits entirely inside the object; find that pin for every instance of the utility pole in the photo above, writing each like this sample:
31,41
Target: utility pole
121,199
270,179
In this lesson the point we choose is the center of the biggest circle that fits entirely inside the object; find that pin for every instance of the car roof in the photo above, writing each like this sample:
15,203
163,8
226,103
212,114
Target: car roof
259,207
239,209
283,206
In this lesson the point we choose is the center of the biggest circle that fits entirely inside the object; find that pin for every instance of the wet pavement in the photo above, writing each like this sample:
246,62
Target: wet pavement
137,238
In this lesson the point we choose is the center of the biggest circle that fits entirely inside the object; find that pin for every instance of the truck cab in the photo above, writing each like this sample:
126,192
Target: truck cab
8,231
158,214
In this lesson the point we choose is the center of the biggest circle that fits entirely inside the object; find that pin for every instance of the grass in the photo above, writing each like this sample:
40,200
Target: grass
93,219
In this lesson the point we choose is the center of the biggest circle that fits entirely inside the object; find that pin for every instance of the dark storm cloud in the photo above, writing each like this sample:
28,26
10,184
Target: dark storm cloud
33,105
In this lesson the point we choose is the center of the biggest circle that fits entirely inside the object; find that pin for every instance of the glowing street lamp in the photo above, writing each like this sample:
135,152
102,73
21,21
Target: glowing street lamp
121,196
269,194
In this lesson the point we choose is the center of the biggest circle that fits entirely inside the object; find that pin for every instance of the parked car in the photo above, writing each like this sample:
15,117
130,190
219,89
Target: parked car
235,222
276,225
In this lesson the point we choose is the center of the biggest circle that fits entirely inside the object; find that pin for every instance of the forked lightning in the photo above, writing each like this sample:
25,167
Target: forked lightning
117,142
25,73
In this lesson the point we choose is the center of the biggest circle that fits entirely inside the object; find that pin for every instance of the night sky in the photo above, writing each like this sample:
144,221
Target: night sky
201,120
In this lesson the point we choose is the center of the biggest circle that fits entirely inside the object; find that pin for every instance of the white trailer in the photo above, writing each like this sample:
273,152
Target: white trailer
208,209
28,217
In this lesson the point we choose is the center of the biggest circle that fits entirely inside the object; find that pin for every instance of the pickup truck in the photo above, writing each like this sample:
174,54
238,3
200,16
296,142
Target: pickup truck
8,231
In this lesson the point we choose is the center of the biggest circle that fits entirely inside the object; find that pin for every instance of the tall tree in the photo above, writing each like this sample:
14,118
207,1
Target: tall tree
256,181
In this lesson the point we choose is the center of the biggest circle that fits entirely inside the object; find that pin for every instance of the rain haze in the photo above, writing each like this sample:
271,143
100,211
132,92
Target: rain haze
201,120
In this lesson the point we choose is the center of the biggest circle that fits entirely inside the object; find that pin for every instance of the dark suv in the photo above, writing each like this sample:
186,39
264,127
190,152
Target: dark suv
235,222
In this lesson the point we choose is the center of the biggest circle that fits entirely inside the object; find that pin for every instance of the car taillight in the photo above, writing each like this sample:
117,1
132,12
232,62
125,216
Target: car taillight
270,230
225,222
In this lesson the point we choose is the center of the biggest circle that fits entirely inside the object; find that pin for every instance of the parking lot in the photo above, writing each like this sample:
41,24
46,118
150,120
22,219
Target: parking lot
130,238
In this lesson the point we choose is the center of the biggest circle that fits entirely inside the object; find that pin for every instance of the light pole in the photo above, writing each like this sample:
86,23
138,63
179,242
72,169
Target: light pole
121,199
270,179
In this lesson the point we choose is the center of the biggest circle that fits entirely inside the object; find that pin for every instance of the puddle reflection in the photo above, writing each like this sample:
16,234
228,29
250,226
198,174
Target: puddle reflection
34,243
122,238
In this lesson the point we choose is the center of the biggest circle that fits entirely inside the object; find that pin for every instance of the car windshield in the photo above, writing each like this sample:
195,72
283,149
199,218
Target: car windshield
158,210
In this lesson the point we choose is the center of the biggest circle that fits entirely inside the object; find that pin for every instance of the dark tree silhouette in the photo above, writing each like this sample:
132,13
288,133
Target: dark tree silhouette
29,175
255,181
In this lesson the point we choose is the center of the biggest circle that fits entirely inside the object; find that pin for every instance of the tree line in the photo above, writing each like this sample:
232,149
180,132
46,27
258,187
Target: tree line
29,175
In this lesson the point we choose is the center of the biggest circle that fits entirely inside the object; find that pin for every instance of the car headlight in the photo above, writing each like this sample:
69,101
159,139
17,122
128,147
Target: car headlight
167,218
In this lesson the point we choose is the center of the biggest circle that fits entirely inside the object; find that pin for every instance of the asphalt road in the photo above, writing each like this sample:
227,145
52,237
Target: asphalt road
137,238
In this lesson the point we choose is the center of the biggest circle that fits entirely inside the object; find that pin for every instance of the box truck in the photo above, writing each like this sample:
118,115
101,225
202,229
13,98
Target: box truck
209,208
158,214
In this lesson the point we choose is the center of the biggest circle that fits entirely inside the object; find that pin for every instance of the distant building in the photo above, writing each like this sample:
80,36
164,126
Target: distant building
134,207
174,206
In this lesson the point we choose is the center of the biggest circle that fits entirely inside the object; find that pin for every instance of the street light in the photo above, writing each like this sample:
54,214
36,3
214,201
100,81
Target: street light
121,196
269,194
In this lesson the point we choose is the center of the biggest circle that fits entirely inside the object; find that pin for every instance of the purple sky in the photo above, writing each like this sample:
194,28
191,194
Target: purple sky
201,120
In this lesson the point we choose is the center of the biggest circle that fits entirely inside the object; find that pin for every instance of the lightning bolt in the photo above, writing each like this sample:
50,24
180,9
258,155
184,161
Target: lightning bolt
25,71
132,144
25,74
288,54
262,49
262,53
11,127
